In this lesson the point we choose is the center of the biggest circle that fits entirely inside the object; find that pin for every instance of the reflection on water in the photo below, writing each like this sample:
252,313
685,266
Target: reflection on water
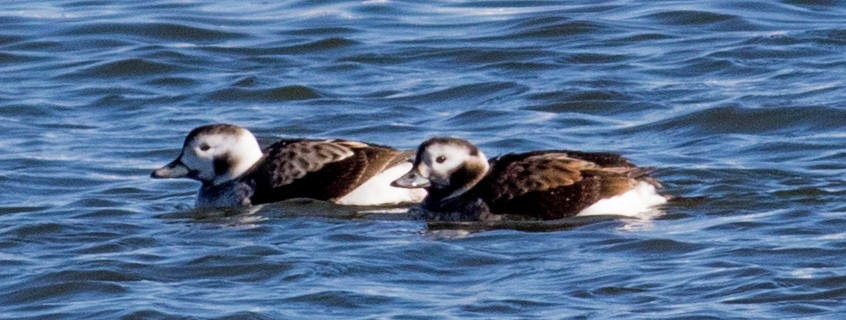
738,104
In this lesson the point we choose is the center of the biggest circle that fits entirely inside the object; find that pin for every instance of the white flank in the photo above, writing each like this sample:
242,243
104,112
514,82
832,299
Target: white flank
633,203
378,190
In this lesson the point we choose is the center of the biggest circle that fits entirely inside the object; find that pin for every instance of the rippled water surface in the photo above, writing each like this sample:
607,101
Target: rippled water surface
740,105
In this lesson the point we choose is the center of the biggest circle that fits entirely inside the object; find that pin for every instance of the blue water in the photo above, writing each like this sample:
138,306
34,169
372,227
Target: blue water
740,105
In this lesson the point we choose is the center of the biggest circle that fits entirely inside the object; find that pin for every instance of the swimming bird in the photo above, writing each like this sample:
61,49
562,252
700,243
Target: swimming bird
550,184
235,171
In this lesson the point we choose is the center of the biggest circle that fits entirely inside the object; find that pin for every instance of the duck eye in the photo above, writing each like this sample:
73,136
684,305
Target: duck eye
205,147
440,159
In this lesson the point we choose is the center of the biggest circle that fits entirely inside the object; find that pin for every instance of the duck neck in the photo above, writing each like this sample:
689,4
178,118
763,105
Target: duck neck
461,181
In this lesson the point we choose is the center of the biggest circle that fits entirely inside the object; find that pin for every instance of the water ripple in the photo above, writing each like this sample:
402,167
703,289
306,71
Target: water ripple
153,31
737,105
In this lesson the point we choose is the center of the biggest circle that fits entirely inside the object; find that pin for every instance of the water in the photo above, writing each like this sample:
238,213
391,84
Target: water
741,105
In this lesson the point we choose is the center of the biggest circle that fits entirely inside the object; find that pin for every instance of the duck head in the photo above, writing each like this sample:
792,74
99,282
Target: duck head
445,166
213,154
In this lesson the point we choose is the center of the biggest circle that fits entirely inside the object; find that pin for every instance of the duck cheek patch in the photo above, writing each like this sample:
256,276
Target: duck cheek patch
469,172
222,165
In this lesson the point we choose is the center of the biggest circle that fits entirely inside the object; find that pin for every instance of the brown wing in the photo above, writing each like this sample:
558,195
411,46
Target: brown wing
287,161
374,159
555,184
603,159
540,172
321,170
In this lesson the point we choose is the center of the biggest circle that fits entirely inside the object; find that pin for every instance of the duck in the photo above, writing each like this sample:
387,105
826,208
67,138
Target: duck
235,171
463,185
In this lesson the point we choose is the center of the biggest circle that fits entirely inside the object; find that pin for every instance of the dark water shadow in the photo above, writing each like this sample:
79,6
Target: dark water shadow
298,208
529,226
292,208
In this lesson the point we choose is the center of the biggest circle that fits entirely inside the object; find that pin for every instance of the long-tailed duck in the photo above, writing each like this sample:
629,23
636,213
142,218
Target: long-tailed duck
234,170
464,186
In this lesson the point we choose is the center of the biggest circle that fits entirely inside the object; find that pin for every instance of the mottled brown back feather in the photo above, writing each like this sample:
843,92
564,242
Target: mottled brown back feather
555,184
322,170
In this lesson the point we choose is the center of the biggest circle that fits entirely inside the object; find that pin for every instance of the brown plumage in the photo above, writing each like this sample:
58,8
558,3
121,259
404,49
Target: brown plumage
548,184
234,171
556,183
318,169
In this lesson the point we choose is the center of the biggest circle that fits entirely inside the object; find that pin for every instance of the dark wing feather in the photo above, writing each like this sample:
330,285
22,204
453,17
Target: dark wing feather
375,160
323,170
287,161
603,159
555,184
537,172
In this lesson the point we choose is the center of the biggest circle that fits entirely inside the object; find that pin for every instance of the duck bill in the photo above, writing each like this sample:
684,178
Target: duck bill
175,169
412,179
